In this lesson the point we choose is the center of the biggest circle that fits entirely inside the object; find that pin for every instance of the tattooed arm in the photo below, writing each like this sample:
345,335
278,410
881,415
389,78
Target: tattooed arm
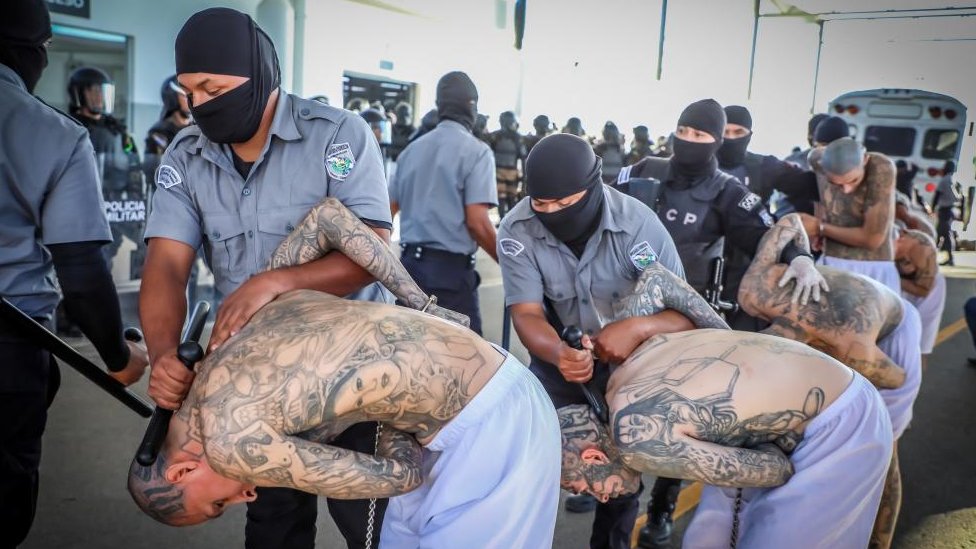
262,456
766,466
872,363
331,226
661,303
658,289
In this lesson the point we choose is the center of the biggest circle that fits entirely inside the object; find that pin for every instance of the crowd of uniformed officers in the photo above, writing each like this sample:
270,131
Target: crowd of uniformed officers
230,173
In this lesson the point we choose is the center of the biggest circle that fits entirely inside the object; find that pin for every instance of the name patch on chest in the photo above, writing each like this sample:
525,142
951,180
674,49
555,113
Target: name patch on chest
339,161
749,201
642,255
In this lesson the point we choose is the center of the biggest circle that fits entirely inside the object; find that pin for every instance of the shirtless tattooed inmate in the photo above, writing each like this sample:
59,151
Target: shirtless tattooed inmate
862,323
735,409
265,405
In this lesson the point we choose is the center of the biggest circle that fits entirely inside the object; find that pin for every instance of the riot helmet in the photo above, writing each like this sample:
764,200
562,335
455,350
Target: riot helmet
91,89
508,121
404,114
170,93
541,124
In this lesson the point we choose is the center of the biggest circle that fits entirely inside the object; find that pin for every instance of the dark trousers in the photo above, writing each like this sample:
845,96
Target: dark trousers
451,277
282,518
613,522
943,230
24,401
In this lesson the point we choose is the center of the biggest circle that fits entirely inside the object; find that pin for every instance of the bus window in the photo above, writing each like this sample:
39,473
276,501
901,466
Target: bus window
940,144
890,140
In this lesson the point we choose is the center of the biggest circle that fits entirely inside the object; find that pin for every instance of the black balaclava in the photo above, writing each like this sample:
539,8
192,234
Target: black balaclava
732,153
611,134
692,161
541,124
815,121
226,41
457,99
831,129
558,166
24,28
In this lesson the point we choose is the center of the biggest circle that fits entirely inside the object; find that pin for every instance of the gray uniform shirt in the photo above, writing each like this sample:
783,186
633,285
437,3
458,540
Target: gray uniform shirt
947,196
536,265
315,151
436,177
49,194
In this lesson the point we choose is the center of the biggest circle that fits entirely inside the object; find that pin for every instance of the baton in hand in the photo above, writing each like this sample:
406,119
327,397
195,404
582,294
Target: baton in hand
189,352
573,337
47,340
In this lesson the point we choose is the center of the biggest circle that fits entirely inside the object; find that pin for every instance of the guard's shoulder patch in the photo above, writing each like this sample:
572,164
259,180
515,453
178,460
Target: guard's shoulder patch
339,161
767,218
642,255
511,247
167,176
749,201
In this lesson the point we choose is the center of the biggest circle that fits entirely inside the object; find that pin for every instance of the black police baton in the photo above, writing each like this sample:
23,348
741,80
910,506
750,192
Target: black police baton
713,291
36,333
573,337
189,352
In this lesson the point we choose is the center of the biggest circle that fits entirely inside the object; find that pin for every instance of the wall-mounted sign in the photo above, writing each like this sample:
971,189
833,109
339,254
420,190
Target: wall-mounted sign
78,8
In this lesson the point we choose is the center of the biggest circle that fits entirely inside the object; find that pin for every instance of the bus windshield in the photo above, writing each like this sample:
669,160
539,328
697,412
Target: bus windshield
890,140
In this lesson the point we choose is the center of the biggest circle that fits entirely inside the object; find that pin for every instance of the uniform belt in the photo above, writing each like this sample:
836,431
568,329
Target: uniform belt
420,252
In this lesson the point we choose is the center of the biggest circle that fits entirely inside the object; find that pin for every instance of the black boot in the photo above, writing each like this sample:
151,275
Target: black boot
656,534
580,503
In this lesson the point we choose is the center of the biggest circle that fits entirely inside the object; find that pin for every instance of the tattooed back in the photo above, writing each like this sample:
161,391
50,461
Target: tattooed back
855,308
730,388
312,364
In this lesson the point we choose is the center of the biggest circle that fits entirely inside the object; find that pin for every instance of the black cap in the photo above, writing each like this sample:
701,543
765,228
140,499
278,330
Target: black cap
815,120
737,114
831,129
705,115
560,165
25,23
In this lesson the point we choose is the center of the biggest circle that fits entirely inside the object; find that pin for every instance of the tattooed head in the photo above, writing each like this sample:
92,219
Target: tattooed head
591,463
183,493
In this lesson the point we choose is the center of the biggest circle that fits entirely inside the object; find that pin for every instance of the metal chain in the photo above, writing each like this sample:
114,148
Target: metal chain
735,518
371,514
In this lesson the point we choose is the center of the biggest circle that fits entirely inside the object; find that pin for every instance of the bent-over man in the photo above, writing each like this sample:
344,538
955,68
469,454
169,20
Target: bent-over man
466,429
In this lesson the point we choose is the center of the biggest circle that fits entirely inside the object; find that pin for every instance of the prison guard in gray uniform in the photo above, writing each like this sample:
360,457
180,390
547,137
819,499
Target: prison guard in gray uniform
314,151
49,194
536,266
437,176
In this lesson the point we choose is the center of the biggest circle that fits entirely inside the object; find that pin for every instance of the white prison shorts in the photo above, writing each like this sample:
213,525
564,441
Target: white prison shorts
491,475
833,497
884,272
902,347
930,310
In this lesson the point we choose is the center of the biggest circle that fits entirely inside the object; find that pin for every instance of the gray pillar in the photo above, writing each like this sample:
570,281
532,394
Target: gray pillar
277,18
298,69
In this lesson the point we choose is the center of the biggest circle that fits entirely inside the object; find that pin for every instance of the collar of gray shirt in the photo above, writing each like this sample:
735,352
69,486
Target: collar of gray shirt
524,214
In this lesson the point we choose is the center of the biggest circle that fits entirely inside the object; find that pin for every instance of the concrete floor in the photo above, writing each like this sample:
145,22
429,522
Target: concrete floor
91,439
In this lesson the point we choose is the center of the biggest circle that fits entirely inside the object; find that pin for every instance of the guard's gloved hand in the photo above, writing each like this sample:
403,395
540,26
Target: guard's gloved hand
809,281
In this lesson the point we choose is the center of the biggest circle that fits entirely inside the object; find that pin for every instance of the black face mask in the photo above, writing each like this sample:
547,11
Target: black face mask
692,161
732,153
575,224
233,117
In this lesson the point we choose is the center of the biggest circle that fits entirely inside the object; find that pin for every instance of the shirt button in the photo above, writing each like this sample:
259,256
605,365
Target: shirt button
216,234
289,227
585,301
304,112
250,234
559,295
616,295
247,192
